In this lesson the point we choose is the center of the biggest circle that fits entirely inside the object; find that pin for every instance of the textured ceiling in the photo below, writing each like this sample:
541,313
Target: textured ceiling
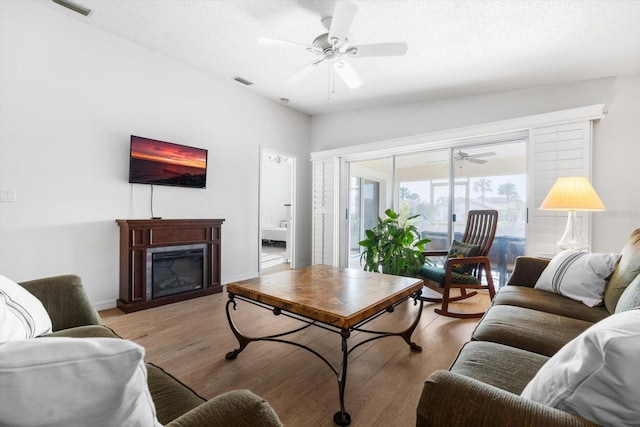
455,47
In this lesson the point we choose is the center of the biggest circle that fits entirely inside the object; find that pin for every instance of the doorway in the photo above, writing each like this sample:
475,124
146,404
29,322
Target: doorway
277,210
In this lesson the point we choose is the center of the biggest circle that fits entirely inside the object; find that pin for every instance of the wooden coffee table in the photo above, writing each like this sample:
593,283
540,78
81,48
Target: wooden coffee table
336,299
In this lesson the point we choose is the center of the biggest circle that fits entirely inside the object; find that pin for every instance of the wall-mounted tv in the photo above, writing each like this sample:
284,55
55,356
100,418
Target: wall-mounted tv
166,163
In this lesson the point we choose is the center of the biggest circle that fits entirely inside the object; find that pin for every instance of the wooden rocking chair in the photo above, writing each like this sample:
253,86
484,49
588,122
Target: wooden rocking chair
463,271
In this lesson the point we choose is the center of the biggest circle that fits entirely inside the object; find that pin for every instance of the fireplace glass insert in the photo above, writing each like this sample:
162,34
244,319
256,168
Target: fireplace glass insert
176,270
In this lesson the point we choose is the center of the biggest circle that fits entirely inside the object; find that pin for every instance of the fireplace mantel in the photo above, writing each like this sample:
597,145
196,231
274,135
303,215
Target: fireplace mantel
140,236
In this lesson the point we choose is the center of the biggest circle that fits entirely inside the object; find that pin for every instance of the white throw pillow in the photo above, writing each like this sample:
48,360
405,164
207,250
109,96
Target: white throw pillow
22,315
596,375
74,382
580,276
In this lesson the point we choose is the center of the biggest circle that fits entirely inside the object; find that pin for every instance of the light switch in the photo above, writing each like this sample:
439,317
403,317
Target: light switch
7,195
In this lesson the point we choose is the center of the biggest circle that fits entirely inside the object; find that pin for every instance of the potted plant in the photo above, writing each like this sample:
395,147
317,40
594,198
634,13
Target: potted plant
393,246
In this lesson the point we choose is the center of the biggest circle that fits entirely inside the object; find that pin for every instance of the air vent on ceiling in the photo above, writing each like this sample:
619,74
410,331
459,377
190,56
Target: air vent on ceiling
72,6
243,81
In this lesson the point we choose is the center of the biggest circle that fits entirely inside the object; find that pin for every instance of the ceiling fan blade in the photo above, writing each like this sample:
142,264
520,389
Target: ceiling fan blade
341,21
268,41
474,160
379,49
490,153
348,74
303,72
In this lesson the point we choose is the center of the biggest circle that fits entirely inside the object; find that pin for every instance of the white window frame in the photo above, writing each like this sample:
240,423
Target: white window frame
478,134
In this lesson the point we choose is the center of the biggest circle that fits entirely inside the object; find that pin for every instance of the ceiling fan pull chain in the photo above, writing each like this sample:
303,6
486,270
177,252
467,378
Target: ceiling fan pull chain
331,83
333,78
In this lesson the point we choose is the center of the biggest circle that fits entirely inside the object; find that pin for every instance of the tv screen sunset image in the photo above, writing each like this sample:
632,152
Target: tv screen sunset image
164,163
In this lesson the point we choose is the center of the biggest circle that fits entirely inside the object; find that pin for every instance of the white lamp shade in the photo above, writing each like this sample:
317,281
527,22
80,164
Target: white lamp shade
572,193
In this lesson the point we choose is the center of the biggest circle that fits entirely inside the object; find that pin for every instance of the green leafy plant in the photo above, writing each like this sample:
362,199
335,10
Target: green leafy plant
393,246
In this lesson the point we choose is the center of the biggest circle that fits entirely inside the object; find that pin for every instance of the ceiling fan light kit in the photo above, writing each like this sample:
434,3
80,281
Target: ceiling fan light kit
334,47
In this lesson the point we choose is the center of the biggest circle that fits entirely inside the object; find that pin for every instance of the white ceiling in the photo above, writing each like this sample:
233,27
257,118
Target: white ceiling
455,47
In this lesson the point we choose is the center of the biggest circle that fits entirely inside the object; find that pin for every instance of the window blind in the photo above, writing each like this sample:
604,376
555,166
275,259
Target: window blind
323,236
555,151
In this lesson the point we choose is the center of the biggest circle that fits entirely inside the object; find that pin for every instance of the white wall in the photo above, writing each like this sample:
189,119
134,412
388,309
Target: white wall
616,149
70,96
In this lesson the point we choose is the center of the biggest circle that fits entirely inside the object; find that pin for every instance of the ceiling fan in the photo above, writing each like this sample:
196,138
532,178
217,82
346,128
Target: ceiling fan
472,158
334,47
461,156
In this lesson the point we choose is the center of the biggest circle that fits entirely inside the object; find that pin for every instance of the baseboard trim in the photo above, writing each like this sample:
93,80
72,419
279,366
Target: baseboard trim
240,277
105,305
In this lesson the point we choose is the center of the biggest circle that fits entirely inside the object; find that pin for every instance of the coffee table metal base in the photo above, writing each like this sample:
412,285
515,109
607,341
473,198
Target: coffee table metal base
342,417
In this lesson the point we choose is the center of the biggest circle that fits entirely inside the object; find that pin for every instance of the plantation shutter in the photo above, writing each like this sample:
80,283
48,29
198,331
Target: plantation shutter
555,151
324,224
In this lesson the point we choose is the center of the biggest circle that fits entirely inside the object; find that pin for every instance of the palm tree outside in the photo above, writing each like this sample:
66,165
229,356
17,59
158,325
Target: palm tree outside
482,186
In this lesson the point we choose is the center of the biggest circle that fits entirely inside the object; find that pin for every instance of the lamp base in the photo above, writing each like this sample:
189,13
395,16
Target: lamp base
572,239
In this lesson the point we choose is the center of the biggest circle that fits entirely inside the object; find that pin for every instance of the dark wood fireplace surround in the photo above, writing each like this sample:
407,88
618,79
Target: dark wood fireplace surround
139,235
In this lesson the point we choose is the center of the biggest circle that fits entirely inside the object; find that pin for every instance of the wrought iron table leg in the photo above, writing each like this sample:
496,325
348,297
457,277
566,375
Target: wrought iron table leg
406,335
342,417
242,340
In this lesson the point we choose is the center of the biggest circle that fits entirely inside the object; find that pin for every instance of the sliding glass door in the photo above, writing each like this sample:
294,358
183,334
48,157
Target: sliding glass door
442,186
364,202
369,182
493,176
423,188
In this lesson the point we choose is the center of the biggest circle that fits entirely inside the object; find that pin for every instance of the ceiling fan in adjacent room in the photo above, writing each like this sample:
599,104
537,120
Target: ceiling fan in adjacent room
472,158
461,156
334,47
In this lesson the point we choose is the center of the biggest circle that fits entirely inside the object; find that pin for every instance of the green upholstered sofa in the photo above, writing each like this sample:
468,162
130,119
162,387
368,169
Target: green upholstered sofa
176,404
522,329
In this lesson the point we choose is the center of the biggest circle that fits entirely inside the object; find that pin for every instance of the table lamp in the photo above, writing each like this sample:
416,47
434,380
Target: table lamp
572,193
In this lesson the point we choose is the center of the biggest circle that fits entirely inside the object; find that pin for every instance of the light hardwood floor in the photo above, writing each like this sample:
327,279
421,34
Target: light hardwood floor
189,339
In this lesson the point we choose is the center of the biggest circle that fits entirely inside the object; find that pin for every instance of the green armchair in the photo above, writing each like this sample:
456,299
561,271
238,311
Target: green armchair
72,315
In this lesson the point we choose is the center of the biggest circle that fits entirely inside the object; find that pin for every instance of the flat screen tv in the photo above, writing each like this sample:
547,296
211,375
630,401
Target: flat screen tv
166,163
